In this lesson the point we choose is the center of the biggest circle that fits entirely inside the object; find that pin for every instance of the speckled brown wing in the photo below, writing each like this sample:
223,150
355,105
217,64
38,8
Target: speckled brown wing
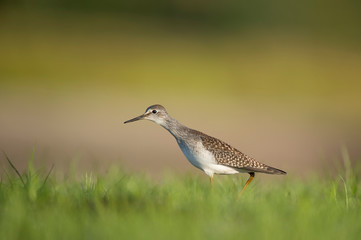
229,156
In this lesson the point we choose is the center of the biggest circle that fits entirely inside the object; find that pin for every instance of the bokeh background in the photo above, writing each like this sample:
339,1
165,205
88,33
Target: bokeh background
279,80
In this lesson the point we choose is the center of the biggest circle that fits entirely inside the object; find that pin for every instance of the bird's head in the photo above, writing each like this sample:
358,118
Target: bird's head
155,113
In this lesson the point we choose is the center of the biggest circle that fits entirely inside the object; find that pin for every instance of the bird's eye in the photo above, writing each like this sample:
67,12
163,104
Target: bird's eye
154,111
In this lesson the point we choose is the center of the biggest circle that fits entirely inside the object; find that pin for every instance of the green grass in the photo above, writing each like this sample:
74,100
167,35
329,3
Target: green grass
118,205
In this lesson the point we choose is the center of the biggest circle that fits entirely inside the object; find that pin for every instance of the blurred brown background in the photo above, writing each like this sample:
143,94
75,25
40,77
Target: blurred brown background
278,80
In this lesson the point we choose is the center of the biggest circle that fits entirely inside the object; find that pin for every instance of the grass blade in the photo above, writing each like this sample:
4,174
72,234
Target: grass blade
13,167
7,174
47,176
346,192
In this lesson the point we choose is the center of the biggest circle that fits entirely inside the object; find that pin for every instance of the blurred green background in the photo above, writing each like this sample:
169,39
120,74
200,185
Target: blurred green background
279,80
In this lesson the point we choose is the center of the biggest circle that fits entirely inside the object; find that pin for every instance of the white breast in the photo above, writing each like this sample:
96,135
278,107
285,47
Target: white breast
203,159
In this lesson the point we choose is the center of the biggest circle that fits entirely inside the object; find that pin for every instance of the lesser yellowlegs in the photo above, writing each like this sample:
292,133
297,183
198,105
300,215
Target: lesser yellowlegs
207,153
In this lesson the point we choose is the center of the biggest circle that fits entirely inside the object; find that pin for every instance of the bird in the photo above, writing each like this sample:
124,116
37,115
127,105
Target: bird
207,153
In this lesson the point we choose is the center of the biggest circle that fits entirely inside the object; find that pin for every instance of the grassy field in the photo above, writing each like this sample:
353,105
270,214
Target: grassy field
288,84
118,205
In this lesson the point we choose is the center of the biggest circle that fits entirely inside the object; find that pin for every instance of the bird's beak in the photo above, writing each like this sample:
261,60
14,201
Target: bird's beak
136,118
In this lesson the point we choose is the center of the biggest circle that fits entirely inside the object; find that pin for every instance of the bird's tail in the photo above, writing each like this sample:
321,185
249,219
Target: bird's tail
272,170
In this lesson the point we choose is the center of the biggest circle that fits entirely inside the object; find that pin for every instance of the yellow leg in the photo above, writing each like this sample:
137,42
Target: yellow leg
211,179
251,176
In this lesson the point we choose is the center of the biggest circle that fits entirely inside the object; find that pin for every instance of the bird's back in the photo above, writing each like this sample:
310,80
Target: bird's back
229,156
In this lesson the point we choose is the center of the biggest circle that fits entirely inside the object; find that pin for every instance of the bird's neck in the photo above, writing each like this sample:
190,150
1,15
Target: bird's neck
174,127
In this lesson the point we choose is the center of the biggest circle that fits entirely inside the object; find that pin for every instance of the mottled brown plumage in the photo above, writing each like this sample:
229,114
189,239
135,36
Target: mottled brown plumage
232,157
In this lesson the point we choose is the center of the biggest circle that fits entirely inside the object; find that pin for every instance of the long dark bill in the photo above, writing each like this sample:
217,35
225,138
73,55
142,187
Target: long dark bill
136,119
